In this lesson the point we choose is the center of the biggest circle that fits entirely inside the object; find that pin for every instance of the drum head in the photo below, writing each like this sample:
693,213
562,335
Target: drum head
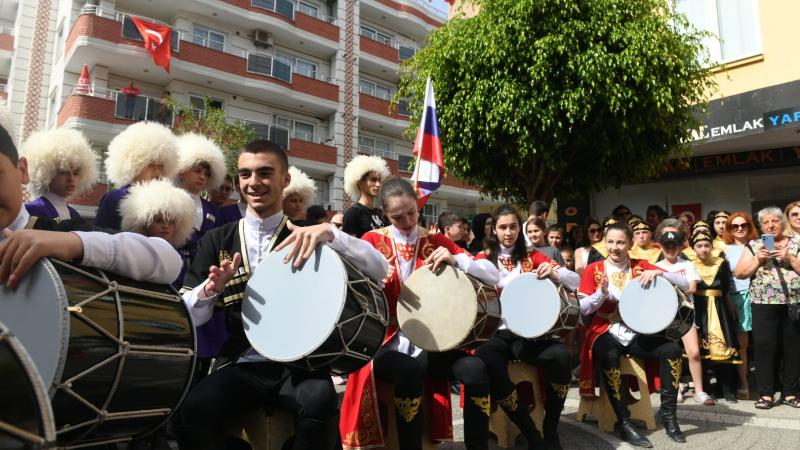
648,310
36,313
437,311
530,306
288,313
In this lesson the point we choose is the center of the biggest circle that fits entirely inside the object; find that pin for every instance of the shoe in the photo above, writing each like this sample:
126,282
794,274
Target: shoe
631,435
681,390
704,399
551,442
743,394
670,422
730,397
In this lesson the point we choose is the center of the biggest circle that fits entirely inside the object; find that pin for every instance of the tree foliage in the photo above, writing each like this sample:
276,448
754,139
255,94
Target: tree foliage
212,123
543,97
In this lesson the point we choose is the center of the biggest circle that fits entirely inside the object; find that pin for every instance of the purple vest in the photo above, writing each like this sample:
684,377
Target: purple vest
108,215
230,213
42,207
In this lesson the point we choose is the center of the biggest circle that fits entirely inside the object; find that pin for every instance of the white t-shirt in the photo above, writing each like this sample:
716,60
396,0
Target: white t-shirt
685,268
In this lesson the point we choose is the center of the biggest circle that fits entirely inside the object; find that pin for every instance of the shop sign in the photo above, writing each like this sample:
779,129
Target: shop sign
782,118
732,162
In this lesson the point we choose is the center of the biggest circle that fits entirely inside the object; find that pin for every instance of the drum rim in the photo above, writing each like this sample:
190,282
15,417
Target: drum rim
343,270
474,316
40,391
502,310
654,283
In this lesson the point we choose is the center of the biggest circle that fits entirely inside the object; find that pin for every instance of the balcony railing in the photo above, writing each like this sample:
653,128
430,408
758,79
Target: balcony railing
375,93
282,7
386,154
6,29
272,133
404,52
131,107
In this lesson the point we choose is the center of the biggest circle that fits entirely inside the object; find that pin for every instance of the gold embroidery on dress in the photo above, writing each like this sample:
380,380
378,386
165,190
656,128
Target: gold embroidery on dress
224,256
509,403
619,279
675,368
369,429
427,248
526,264
408,407
708,271
614,377
561,389
483,403
384,249
585,384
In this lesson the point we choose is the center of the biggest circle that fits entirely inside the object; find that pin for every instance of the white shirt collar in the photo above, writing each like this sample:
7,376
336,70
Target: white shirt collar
55,199
402,237
20,222
267,224
505,251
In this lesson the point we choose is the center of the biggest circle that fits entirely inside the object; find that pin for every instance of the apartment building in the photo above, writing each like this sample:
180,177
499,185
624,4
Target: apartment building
313,76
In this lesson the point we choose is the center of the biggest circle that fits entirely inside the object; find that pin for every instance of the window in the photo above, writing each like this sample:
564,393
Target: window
59,42
299,129
283,7
374,146
404,52
52,108
321,196
376,35
405,163
308,9
734,24
430,212
375,89
206,37
299,65
198,104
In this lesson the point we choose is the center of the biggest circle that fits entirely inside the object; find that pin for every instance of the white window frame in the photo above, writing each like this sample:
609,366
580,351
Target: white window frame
305,8
207,38
292,126
201,99
376,35
370,87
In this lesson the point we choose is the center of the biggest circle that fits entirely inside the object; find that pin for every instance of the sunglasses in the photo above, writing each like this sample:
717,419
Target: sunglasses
594,230
794,214
739,226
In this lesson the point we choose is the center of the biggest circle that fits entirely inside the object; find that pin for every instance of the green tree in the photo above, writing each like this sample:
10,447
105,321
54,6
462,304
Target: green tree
212,123
539,98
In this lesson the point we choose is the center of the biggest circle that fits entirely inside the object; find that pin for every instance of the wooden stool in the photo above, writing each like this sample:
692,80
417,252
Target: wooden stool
499,423
266,432
389,423
600,408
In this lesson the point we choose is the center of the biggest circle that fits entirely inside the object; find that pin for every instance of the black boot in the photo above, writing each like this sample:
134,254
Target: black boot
550,433
518,413
631,435
477,408
408,415
670,376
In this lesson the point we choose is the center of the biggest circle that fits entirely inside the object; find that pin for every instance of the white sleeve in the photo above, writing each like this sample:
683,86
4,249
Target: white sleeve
507,279
676,279
591,303
201,309
482,269
361,254
133,255
691,273
569,278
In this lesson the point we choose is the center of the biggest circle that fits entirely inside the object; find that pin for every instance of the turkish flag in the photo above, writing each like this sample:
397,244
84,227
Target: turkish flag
157,40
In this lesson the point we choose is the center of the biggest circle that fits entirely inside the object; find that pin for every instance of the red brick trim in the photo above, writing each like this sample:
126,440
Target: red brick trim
302,21
299,148
378,106
411,10
379,49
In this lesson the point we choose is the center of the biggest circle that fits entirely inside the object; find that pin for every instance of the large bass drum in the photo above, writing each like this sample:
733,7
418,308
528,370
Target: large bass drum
326,315
117,355
534,308
659,309
26,420
448,309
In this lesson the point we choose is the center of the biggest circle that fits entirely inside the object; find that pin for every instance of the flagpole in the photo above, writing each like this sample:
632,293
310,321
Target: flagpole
419,130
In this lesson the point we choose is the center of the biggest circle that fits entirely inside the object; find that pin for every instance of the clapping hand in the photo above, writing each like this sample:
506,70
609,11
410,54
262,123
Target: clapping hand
219,276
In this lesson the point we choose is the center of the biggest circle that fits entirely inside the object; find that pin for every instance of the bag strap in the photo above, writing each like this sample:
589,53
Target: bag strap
780,277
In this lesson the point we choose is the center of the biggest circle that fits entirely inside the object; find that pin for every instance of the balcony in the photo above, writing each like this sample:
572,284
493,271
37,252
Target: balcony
96,39
409,17
114,107
6,38
280,16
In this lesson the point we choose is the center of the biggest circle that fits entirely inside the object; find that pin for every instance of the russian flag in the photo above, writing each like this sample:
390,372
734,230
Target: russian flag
429,168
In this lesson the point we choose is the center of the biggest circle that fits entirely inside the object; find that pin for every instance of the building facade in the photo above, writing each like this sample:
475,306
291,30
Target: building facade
746,154
314,76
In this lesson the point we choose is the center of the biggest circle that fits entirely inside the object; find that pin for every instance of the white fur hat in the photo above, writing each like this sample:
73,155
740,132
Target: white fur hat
194,148
141,144
49,152
300,184
145,201
357,168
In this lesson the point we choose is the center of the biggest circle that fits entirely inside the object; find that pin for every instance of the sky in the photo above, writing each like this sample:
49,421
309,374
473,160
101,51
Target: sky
441,5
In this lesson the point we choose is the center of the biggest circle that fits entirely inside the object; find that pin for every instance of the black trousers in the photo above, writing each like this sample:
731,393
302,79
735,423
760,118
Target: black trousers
218,402
773,330
551,355
406,373
607,350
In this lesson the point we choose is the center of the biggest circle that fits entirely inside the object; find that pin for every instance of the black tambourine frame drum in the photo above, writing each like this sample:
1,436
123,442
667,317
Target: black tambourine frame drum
539,309
659,309
326,315
117,355
26,419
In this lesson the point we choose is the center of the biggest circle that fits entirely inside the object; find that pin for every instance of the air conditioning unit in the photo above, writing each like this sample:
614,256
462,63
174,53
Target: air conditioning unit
262,39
